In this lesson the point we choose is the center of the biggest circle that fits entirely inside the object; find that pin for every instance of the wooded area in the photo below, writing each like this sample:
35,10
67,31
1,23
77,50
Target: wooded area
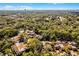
39,34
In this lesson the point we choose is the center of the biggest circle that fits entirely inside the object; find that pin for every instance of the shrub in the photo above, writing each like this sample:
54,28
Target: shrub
30,53
34,44
8,32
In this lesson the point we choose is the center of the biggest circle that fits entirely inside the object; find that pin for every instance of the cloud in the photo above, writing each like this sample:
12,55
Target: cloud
7,7
54,3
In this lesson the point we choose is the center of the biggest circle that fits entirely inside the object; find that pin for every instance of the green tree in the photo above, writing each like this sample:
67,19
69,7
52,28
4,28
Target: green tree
34,44
30,53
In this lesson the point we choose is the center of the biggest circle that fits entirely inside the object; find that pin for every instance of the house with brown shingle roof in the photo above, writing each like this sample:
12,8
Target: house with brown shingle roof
19,47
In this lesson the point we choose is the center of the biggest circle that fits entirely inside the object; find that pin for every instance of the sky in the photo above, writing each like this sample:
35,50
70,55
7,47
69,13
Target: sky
39,6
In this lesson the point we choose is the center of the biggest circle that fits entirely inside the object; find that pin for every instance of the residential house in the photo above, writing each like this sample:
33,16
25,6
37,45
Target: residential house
30,33
16,38
39,36
19,47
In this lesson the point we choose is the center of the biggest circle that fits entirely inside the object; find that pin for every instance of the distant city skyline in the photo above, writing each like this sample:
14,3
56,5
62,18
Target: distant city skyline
39,6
